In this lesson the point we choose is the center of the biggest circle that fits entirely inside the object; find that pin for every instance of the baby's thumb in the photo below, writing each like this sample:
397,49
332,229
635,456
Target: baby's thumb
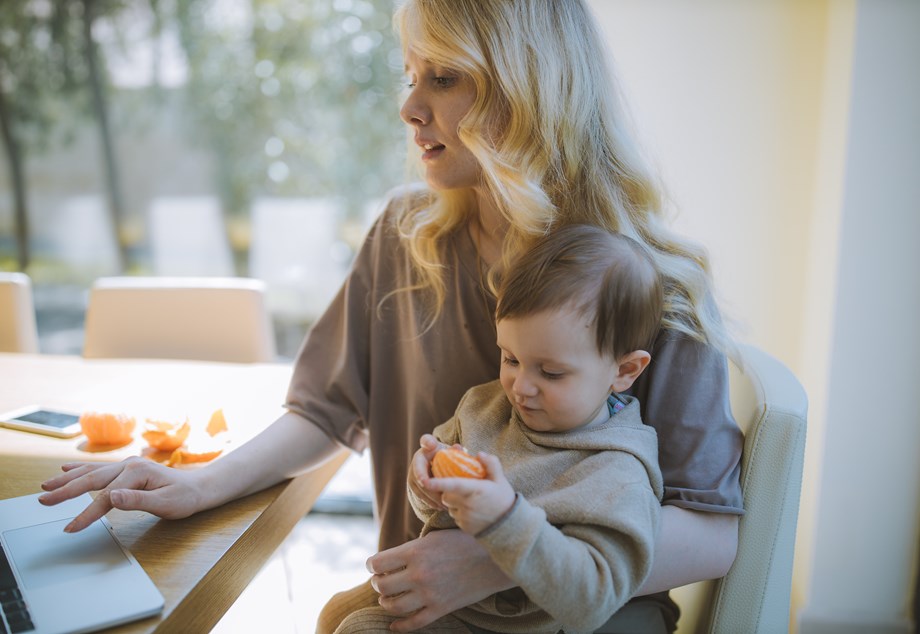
493,466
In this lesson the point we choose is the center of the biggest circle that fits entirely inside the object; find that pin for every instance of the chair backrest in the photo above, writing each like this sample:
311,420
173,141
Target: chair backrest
208,319
770,406
17,314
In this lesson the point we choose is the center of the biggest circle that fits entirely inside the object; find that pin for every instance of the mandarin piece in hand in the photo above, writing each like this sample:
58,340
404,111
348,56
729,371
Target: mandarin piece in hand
107,429
452,462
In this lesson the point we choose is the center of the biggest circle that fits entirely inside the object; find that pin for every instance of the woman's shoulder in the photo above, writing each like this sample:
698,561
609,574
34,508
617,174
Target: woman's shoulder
405,199
393,205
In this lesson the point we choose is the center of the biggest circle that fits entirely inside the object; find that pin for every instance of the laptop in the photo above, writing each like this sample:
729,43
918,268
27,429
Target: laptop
52,582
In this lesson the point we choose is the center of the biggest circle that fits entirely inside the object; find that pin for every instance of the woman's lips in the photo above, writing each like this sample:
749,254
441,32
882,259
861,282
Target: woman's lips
431,151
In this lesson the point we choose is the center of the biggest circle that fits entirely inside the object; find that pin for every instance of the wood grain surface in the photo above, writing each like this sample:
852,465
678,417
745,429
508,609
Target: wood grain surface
200,564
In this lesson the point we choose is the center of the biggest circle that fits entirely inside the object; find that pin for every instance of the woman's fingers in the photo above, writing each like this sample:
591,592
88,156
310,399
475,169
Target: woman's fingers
77,481
75,471
133,484
99,507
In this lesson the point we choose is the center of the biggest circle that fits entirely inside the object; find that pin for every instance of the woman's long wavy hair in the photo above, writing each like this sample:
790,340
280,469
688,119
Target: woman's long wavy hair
565,152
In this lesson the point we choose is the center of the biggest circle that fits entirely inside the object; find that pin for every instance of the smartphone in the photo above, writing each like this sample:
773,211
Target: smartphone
43,421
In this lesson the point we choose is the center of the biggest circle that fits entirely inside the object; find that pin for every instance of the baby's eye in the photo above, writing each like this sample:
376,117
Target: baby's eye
509,361
552,376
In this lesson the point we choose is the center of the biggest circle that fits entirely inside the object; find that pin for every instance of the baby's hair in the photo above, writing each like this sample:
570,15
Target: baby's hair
605,276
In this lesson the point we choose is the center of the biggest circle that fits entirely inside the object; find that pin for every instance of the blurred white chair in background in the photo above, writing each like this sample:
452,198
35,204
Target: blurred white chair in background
297,251
770,406
188,236
18,332
208,319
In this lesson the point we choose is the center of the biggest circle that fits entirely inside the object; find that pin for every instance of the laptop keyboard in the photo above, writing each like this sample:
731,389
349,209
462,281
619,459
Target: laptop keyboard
15,616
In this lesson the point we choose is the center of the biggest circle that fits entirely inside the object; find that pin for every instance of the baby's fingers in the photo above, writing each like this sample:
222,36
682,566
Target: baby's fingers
493,467
462,486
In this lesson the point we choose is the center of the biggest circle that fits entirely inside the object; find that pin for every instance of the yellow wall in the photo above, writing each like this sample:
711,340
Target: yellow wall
765,118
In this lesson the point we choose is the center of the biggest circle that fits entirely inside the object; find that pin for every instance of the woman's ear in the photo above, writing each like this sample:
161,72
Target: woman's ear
629,367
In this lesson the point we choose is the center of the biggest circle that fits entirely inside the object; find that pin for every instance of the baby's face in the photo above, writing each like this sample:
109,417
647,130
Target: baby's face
552,372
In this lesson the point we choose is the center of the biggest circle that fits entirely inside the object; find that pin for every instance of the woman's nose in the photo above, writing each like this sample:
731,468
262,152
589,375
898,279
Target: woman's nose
414,111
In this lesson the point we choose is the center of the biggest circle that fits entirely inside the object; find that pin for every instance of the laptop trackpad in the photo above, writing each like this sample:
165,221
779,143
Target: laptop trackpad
46,555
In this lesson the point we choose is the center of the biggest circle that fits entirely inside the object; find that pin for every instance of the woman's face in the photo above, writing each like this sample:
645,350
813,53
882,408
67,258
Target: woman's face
438,99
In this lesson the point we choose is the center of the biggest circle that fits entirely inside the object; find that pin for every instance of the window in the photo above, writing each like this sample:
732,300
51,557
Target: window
194,137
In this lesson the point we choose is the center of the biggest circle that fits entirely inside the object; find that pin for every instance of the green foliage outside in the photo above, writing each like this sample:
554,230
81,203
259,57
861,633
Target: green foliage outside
288,98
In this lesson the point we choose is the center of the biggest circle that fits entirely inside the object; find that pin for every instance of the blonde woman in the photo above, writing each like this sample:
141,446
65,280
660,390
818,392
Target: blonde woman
519,129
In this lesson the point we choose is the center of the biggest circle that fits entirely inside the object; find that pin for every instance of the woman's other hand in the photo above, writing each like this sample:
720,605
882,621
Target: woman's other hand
432,576
134,484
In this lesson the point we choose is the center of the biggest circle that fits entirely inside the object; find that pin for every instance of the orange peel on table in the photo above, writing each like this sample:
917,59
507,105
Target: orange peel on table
217,424
201,448
165,436
455,462
184,455
102,428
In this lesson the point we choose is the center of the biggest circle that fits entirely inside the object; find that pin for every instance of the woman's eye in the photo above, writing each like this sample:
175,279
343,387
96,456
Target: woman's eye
444,82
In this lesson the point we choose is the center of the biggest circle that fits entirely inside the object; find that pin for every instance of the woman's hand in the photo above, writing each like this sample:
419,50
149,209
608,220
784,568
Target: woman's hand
432,576
476,504
420,471
134,484
285,449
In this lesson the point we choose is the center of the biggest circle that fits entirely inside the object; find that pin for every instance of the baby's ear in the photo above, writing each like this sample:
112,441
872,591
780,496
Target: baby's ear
629,367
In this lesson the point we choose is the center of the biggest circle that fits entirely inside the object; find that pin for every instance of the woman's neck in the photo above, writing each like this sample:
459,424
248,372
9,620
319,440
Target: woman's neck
487,229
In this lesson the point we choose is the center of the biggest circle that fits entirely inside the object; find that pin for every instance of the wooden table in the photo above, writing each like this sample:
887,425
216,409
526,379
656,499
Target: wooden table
200,564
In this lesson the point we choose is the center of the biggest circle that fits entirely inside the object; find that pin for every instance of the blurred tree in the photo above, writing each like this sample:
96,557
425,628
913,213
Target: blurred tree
292,97
296,98
26,115
97,83
50,65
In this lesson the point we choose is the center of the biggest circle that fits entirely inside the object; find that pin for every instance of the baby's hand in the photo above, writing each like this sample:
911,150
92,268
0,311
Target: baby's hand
420,471
476,504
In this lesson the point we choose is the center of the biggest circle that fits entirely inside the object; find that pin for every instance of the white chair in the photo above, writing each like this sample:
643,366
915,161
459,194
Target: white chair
770,407
209,319
18,332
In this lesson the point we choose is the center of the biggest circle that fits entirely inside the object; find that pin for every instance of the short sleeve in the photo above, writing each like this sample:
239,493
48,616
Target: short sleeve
684,395
330,383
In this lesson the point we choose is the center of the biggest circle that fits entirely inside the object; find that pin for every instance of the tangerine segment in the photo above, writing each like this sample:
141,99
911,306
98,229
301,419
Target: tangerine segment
103,428
452,462
164,436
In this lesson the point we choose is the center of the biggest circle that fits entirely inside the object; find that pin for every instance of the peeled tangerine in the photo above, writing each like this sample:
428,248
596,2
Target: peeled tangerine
107,429
454,462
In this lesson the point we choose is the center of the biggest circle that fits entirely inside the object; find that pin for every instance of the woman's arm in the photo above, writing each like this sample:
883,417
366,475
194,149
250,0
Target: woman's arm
446,570
287,447
691,546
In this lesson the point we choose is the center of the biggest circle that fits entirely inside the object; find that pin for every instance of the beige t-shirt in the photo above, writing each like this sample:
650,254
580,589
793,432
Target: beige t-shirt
369,376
